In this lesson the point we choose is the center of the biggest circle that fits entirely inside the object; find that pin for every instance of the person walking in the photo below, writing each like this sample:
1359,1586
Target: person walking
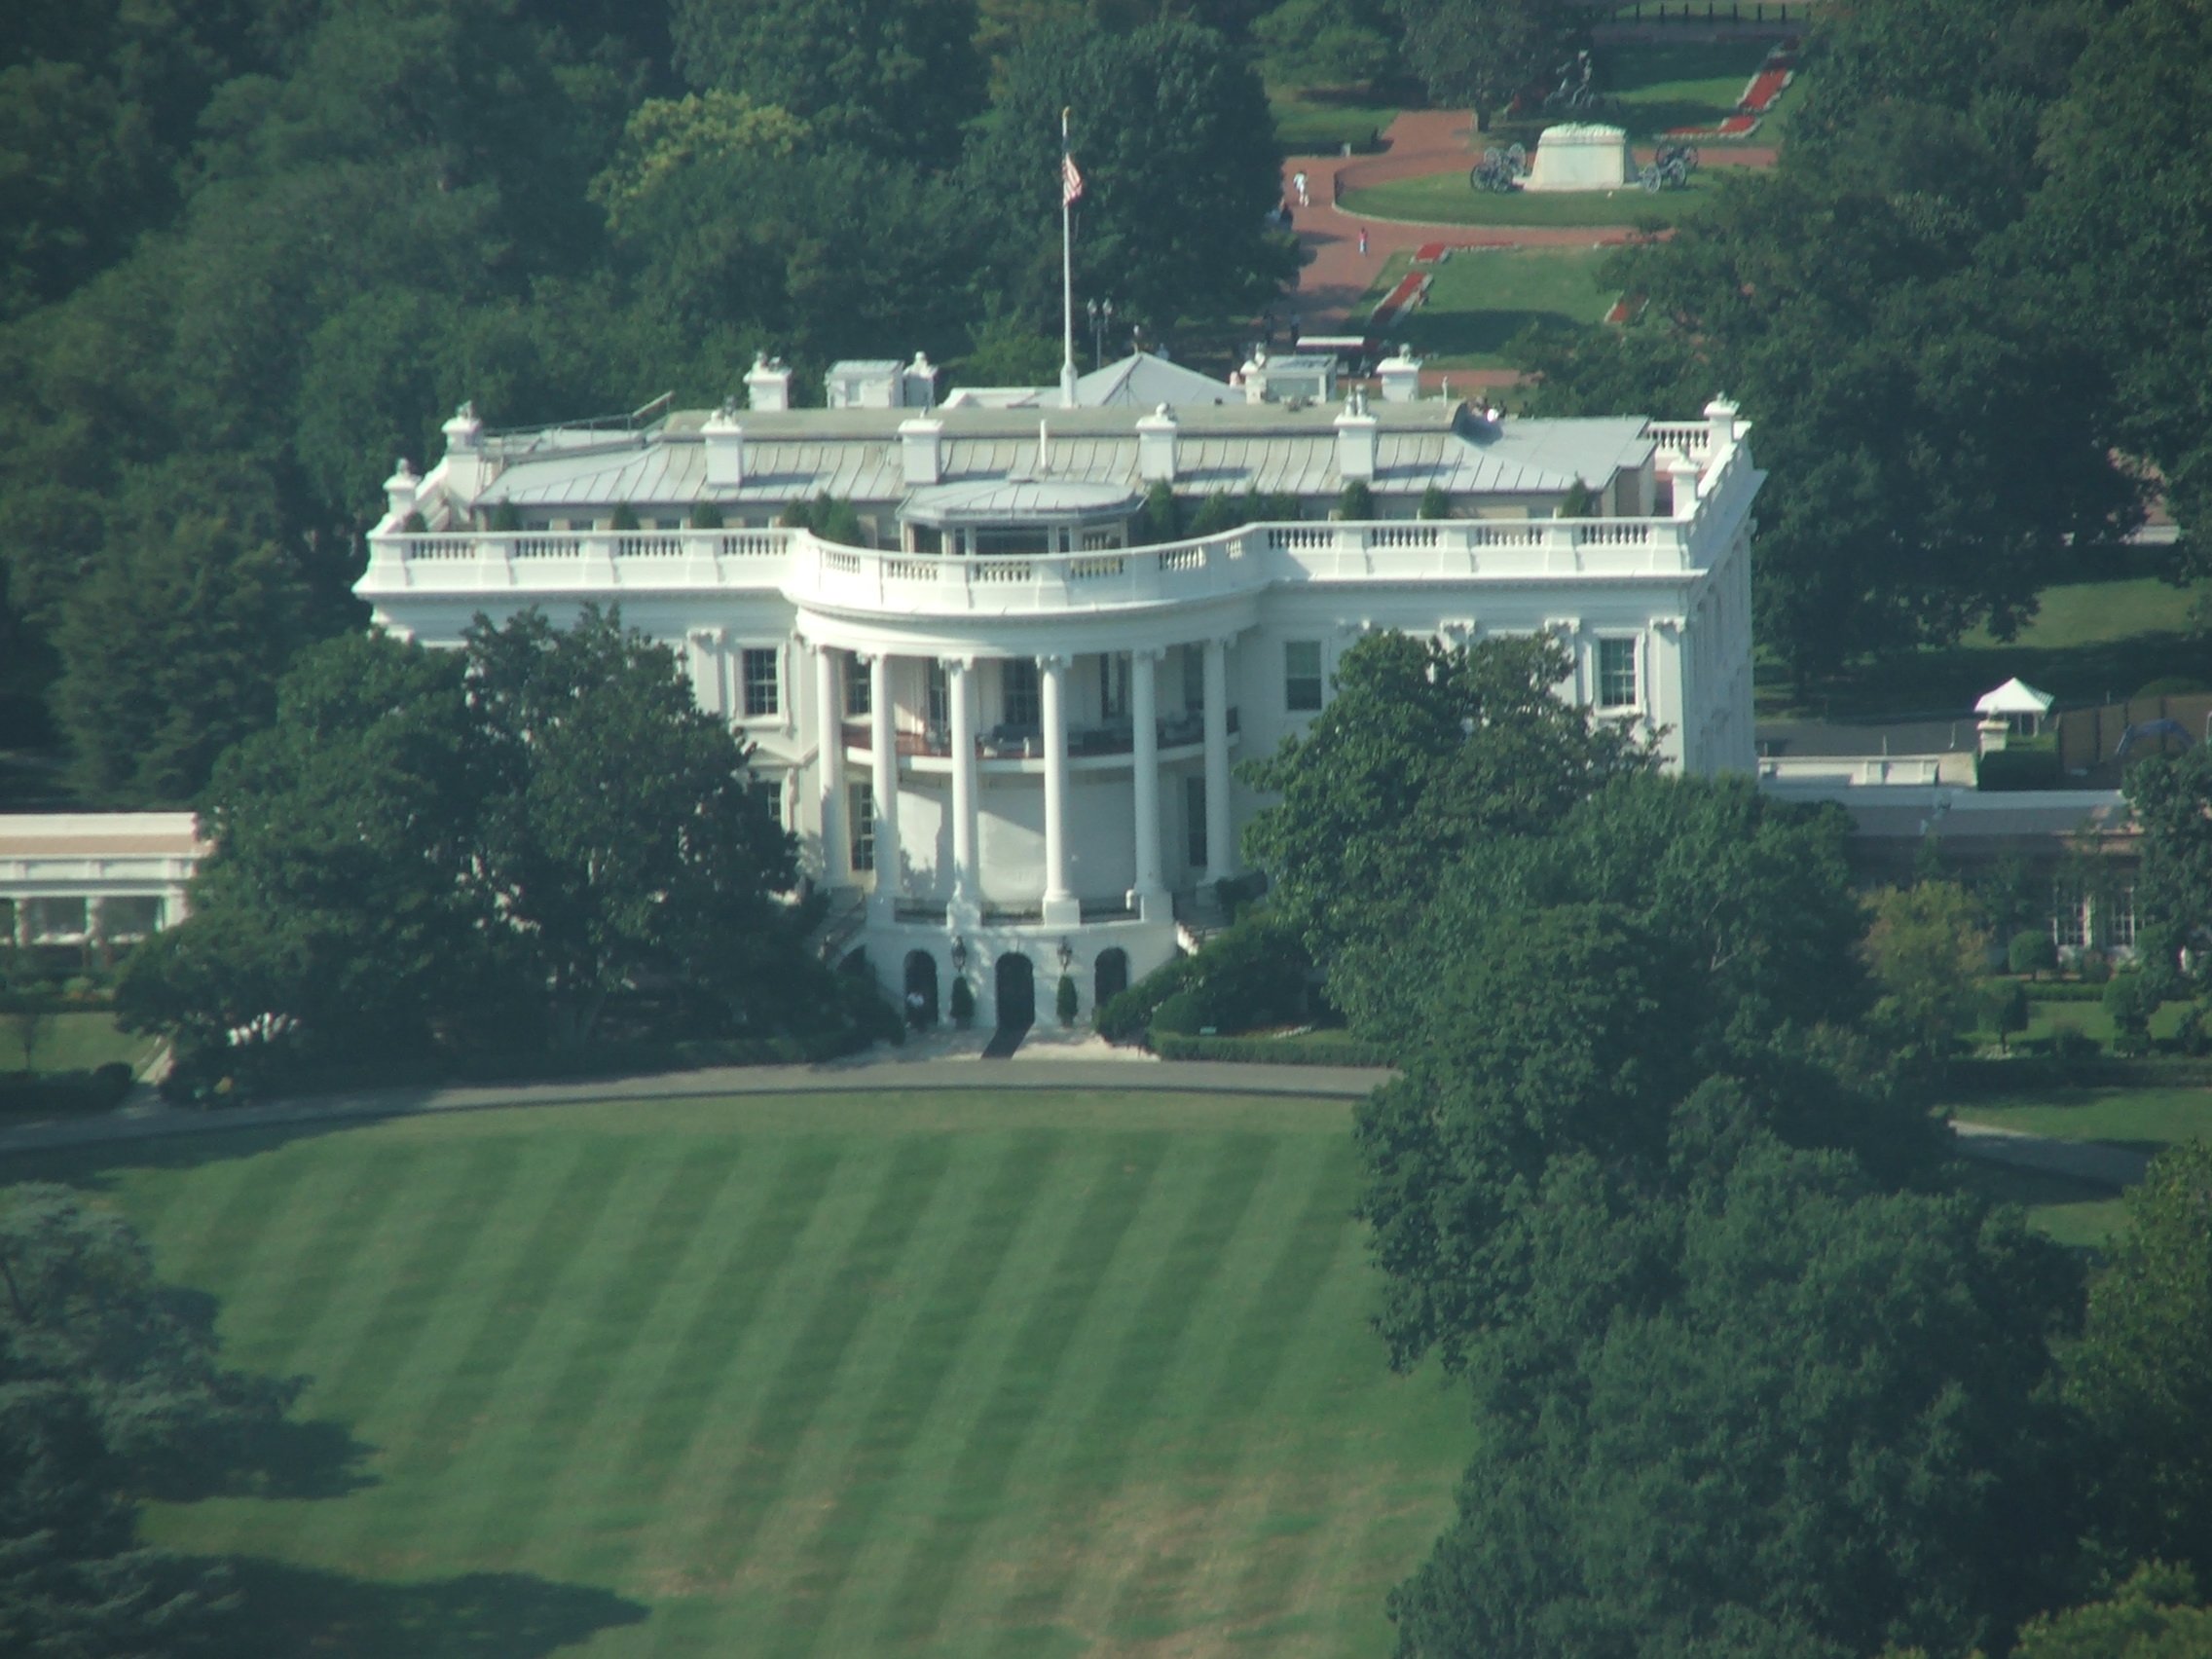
1298,183
1363,241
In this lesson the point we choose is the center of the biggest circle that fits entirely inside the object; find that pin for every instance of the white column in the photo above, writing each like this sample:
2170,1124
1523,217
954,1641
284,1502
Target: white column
1150,895
1221,855
1061,907
966,888
829,759
883,749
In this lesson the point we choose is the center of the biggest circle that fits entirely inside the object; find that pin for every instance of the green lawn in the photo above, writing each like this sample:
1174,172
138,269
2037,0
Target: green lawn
1483,297
1447,199
1320,121
995,1375
2089,640
1658,86
2146,1118
71,1041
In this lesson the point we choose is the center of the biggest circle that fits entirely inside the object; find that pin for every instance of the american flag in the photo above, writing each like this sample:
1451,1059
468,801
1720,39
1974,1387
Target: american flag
1071,181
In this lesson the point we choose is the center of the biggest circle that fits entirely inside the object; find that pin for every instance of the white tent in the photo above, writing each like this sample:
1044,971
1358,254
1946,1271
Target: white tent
2018,704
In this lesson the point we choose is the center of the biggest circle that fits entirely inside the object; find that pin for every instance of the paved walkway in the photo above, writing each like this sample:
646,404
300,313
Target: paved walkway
939,1061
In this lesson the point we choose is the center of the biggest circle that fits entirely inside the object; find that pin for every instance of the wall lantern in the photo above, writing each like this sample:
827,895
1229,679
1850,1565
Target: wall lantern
959,955
1067,957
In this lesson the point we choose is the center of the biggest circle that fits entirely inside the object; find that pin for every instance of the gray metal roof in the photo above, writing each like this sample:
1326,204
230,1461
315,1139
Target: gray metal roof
855,454
997,499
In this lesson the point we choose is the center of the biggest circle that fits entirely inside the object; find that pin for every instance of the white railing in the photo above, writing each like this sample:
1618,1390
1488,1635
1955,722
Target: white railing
1692,438
811,572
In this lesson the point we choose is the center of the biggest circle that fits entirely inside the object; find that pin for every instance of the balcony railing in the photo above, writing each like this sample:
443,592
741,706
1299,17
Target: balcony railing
1027,742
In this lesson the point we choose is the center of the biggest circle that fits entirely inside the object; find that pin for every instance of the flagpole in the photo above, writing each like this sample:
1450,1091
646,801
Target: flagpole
1067,274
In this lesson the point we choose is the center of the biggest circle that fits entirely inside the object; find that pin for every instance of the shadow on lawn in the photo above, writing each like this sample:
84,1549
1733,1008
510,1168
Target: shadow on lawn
1473,333
1946,683
291,1610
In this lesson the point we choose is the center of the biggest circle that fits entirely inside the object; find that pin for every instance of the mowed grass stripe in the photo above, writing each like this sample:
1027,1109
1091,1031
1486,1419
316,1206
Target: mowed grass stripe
1157,1590
783,1200
282,1294
914,1506
229,1222
1095,1460
433,1419
752,1483
545,1409
911,1383
1124,1170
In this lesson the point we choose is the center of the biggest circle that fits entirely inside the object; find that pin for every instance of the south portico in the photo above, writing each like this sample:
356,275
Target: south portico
1016,787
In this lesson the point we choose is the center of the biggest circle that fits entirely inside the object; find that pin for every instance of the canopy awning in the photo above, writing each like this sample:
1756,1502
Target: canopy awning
2014,697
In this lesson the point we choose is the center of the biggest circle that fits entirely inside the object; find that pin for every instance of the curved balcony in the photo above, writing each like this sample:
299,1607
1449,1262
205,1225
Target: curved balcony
1018,749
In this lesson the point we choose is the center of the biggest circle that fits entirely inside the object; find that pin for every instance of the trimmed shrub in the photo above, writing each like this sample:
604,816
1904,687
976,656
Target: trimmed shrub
625,517
1269,1051
1434,503
1183,1014
963,1002
1064,1002
1124,1017
705,515
1355,502
2005,1006
2017,770
100,1089
2031,951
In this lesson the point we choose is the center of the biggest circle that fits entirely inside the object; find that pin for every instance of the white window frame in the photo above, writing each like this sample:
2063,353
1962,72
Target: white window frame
775,683
860,820
1635,668
2069,916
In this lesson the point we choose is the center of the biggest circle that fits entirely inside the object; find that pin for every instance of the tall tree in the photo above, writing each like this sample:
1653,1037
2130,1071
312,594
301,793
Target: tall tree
1825,1429
2142,1372
1422,752
1481,53
1173,135
2171,797
897,78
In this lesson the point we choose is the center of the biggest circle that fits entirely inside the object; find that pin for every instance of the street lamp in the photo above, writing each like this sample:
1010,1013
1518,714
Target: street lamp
1101,320
1067,957
959,954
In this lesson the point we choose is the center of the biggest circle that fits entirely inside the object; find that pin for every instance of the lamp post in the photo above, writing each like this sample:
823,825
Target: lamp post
959,954
1068,955
1101,320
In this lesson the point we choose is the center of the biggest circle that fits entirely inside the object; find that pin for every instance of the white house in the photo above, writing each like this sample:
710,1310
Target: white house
1003,727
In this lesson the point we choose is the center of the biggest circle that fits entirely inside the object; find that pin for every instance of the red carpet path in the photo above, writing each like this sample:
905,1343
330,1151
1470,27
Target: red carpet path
1335,275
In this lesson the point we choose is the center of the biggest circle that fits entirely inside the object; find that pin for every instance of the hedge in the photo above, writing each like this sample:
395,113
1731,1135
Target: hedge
2065,992
100,1089
2017,770
1270,1050
2047,1071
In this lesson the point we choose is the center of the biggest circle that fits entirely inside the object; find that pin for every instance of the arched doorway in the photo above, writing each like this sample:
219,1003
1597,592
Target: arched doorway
1110,976
921,989
1017,991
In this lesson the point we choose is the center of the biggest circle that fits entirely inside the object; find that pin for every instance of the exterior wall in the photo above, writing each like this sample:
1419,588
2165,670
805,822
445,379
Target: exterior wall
1675,589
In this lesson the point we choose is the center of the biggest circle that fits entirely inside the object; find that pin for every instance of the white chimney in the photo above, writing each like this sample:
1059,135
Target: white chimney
1682,472
921,383
1256,375
1401,378
724,438
1720,422
1156,447
1355,441
466,471
920,455
769,383
399,492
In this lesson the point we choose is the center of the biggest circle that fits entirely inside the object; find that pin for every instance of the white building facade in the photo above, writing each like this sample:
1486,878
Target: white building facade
1005,728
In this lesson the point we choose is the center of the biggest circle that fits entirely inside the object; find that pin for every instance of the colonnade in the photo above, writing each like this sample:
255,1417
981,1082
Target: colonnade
1061,906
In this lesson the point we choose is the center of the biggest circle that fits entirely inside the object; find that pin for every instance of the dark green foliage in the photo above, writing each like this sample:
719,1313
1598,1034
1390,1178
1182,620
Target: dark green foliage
1124,1017
1180,1013
100,1089
1162,518
2032,951
1065,1003
893,78
963,1002
479,845
1423,753
1326,43
705,515
2017,770
110,1392
1268,1051
2131,1002
828,517
2005,1006
1791,1417
1355,502
1579,502
2155,1614
1434,503
2141,1371
624,517
1480,52
1171,130
2170,797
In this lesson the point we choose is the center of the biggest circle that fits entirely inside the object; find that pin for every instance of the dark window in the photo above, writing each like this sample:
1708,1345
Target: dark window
1114,687
1302,676
859,688
1017,677
1194,821
862,820
1195,678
